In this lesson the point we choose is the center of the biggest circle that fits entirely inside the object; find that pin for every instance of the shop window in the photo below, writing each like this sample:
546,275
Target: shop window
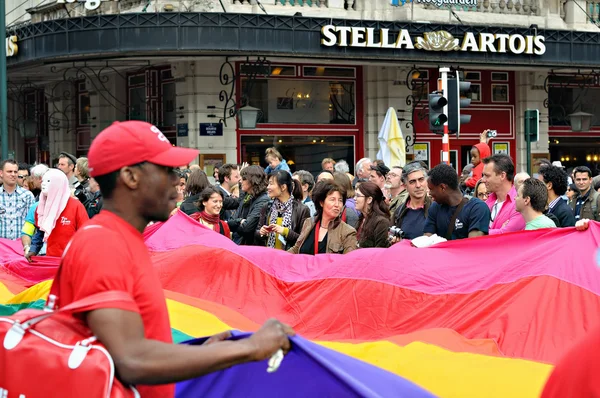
300,152
327,71
82,131
169,116
290,101
152,98
562,101
137,97
83,104
272,70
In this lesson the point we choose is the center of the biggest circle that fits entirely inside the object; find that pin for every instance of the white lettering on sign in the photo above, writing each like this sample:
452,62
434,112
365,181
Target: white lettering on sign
159,134
11,46
345,36
89,4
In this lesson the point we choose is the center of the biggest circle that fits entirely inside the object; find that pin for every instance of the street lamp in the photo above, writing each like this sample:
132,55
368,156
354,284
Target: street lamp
580,121
248,116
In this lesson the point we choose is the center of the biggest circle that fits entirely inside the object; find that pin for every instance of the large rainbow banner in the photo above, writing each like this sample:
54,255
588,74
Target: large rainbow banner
478,317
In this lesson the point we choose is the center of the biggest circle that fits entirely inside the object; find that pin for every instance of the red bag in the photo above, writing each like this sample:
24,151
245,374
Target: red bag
46,353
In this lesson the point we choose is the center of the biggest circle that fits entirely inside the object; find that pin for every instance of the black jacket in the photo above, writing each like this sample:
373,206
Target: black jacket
188,206
564,213
230,204
299,213
249,211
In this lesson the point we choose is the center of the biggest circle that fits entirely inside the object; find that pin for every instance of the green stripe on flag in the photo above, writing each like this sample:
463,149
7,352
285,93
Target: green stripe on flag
10,309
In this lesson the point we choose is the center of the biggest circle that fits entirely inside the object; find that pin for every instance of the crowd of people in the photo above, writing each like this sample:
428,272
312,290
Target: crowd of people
332,211
133,166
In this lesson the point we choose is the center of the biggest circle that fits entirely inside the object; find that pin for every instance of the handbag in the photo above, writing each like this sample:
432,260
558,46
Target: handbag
52,353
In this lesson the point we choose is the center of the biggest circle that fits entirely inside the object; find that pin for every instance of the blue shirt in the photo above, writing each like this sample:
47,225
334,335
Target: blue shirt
413,223
474,216
13,210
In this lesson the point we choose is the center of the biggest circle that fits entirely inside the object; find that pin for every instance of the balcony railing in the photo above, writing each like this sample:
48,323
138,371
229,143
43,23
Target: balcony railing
519,7
348,4
593,10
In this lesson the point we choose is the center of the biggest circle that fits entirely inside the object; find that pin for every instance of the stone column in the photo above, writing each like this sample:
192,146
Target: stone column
530,95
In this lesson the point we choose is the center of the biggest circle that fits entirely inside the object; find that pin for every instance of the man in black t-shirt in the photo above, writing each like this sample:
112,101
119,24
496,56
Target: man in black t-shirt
473,218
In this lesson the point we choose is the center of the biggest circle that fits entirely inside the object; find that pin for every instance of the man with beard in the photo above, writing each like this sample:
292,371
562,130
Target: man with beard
133,164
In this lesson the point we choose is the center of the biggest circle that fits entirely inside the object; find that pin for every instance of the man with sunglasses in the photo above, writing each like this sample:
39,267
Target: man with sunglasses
133,164
22,173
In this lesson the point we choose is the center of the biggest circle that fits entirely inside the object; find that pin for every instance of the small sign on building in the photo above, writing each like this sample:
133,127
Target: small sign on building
182,130
211,129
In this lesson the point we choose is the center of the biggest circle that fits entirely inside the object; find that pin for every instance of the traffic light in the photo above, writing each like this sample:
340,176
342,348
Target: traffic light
532,125
457,93
437,117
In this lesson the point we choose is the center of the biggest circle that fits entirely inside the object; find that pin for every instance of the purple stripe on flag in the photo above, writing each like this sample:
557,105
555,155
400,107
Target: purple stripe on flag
307,370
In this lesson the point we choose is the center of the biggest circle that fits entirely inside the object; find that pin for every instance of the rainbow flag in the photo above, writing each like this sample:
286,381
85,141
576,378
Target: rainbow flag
478,317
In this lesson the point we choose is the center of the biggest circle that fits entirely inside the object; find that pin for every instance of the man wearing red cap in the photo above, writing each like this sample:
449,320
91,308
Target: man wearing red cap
133,164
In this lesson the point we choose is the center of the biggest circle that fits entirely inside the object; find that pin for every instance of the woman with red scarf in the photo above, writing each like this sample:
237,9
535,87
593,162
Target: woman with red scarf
210,204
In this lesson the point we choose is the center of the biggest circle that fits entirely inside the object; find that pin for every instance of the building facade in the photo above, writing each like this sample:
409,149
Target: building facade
322,73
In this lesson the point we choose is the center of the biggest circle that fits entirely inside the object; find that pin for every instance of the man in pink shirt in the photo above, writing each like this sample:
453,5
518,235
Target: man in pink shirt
498,175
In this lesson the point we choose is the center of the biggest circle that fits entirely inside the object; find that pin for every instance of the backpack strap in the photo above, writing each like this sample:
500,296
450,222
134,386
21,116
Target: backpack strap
344,214
454,216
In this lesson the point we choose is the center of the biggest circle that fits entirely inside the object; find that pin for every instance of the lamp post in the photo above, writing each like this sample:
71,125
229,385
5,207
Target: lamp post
580,121
3,85
248,116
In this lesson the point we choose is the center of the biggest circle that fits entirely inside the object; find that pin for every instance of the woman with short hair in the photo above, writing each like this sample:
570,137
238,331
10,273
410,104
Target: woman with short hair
350,213
195,184
254,198
209,203
326,232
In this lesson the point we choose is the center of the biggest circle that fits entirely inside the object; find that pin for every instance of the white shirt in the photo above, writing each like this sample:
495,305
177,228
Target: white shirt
496,210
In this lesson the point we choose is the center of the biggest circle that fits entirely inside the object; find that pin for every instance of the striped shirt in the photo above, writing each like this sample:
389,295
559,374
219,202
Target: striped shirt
13,211
553,203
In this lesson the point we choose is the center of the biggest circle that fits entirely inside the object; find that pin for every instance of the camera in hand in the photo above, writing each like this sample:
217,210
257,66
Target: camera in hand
492,133
395,232
83,194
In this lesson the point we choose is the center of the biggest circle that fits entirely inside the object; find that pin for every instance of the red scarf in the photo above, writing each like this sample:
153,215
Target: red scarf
214,220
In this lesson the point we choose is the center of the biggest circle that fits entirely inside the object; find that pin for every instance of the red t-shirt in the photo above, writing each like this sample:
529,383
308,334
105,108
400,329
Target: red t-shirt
70,220
109,254
576,374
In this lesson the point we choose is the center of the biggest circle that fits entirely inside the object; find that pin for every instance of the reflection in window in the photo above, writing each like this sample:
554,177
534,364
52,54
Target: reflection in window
302,101
562,101
300,152
137,103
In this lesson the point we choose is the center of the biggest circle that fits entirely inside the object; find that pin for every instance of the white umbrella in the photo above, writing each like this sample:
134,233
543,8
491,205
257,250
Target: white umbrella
392,148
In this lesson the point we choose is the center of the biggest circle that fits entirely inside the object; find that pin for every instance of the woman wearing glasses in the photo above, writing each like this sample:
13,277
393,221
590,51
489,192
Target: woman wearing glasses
374,220
481,191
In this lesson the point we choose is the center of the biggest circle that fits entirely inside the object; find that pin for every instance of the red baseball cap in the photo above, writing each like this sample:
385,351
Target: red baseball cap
131,142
